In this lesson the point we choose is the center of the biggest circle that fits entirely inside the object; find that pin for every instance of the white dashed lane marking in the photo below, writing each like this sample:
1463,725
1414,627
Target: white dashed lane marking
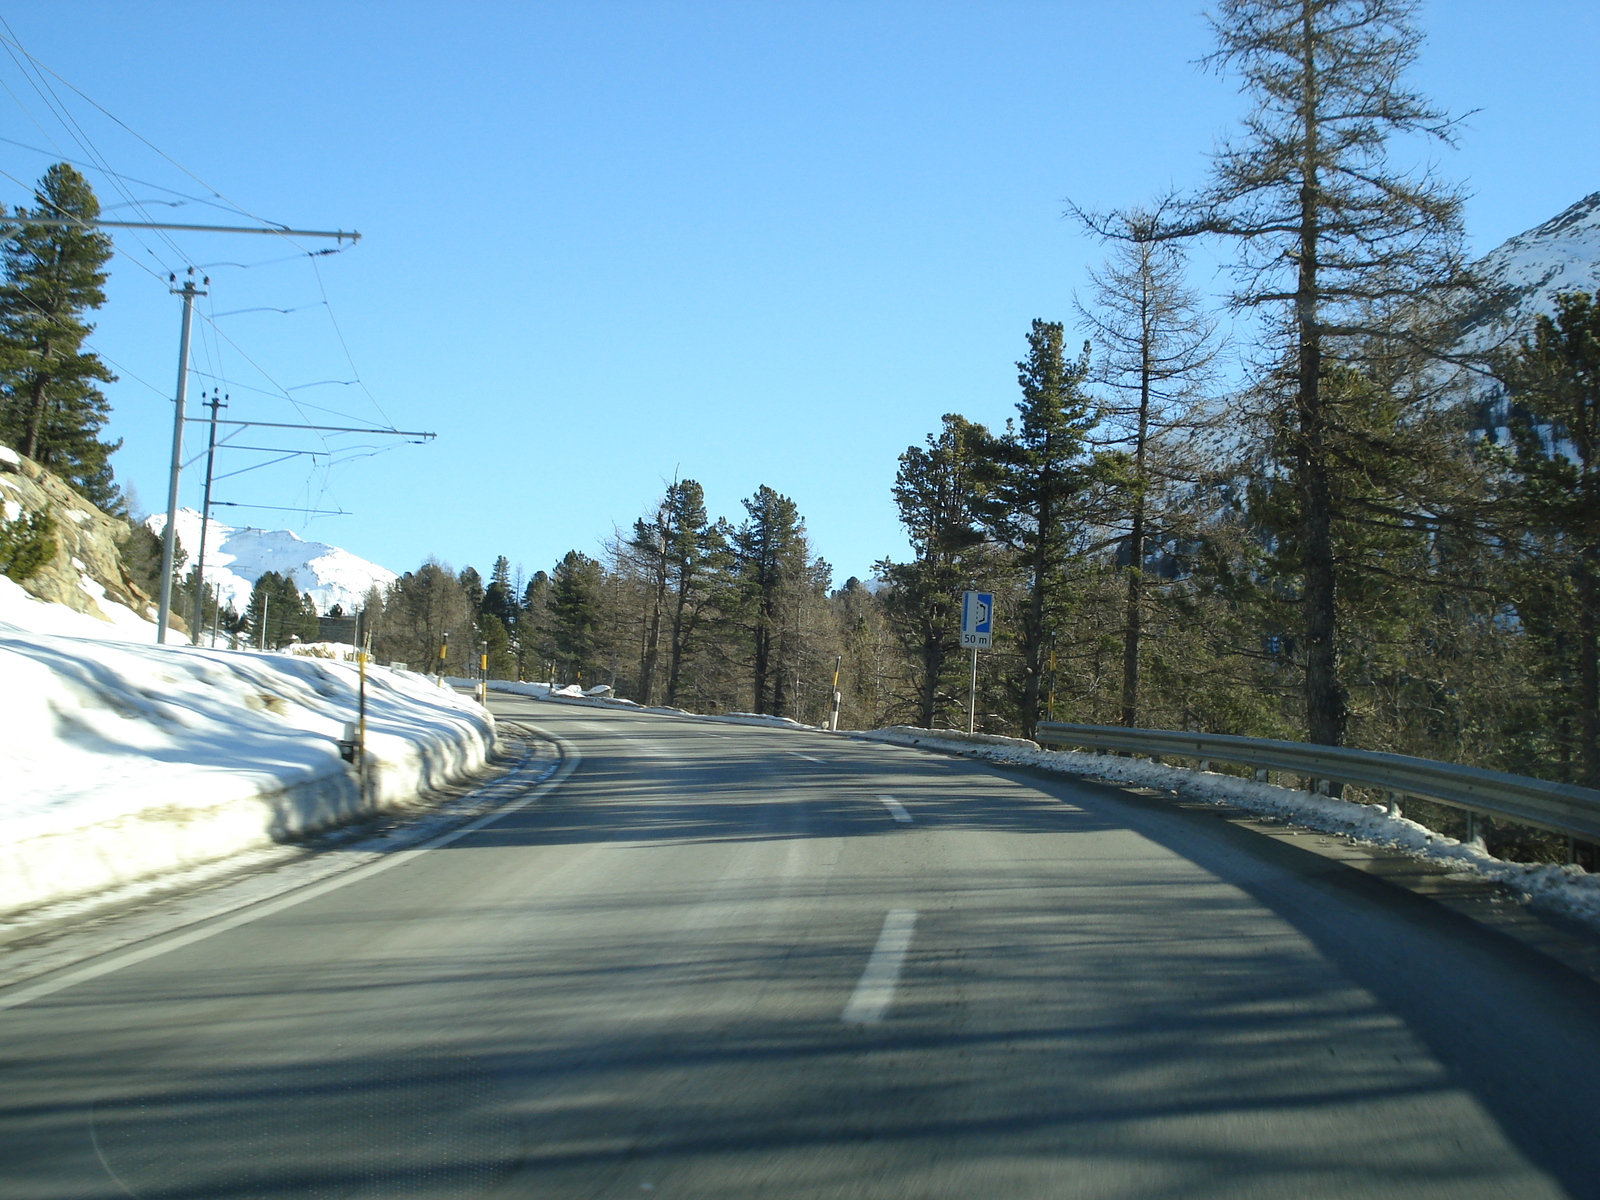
875,992
896,809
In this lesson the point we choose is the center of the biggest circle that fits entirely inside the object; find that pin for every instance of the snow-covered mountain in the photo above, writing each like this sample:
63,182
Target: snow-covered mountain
1525,274
236,558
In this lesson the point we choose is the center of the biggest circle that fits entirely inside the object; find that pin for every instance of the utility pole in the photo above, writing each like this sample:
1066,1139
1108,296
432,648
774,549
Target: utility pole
169,535
205,516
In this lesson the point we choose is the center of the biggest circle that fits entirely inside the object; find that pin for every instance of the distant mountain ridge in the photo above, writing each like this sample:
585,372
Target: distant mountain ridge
237,556
1524,275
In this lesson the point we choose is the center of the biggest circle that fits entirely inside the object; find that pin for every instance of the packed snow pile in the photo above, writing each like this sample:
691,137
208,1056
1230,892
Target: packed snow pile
237,557
125,760
1566,889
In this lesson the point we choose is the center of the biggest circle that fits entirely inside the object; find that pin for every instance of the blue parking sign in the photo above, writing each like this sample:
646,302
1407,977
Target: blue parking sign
977,619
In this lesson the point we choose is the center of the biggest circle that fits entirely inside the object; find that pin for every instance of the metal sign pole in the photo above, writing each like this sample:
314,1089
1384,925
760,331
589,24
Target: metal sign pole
972,694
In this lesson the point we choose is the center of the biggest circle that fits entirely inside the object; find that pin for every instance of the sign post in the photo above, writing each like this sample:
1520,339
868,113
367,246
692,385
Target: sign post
977,629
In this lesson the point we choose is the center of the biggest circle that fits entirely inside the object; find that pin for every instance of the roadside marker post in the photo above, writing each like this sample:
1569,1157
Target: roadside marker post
977,630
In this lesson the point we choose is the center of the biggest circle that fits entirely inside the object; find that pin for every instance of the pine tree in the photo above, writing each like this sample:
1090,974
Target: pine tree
1336,249
1039,480
773,571
938,491
472,587
1157,348
426,610
575,616
50,408
1554,493
500,597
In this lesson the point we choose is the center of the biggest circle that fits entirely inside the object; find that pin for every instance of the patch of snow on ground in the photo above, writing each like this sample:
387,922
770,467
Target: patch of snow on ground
1569,890
123,760
21,611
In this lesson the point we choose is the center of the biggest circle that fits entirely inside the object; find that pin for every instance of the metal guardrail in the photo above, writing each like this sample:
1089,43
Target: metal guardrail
1560,807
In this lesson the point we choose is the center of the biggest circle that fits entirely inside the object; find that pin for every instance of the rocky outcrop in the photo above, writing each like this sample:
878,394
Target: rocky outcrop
87,566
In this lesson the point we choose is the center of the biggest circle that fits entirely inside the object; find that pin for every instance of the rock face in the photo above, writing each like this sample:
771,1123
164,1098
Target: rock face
87,567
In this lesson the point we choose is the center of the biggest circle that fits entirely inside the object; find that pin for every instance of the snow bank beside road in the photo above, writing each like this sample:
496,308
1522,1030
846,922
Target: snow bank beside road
1566,889
125,760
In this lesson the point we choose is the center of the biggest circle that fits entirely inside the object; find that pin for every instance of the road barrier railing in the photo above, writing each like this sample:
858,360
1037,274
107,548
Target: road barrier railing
1559,807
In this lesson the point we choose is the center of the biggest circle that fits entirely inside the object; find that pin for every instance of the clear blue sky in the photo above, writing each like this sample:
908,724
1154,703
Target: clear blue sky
609,243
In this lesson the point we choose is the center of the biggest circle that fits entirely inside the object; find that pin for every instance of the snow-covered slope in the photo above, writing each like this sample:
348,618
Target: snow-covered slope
1526,273
236,558
120,761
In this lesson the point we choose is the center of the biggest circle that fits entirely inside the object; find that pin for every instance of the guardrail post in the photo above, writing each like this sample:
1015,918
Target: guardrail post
1393,799
1472,828
1263,775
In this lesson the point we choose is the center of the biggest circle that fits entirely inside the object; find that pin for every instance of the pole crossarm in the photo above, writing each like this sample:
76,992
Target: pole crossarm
96,223
319,428
320,512
1559,807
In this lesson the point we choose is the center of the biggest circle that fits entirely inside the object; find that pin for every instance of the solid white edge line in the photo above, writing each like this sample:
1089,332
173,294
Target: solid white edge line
875,991
570,758
896,809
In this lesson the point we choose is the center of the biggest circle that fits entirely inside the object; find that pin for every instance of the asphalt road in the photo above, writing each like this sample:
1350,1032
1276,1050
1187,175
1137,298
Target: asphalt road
721,961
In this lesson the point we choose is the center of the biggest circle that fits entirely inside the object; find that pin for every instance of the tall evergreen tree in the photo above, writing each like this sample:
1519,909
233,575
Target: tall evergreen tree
500,597
1040,478
774,570
50,407
1555,495
676,551
472,587
939,490
575,606
1336,247
1157,347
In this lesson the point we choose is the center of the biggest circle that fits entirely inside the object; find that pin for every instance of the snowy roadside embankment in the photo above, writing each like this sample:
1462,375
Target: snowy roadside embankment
125,760
1566,889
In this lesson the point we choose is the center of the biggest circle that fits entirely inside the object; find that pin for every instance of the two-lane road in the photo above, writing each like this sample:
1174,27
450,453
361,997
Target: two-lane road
722,961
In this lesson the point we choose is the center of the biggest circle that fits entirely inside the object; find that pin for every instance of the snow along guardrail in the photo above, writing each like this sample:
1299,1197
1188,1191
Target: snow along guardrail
1560,807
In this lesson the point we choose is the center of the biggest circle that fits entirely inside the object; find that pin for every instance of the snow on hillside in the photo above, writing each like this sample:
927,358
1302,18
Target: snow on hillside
1526,273
124,760
237,557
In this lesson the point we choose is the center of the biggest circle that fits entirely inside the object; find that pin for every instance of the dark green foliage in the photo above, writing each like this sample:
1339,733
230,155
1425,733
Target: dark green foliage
50,407
26,544
773,575
499,598
939,491
1554,494
496,641
675,553
1038,486
278,613
575,608
471,587
1336,249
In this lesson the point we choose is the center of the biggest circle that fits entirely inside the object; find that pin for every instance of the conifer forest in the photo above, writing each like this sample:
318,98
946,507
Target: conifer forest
1336,502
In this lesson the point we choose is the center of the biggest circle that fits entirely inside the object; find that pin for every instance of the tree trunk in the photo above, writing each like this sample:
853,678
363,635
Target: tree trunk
1589,665
1325,700
30,438
1135,614
1134,620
